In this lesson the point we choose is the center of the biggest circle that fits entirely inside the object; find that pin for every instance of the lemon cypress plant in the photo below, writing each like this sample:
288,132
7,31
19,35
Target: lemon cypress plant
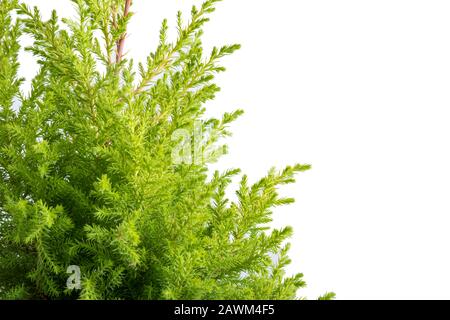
99,175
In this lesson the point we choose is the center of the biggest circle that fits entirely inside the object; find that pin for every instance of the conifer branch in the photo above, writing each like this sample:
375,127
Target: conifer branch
136,222
121,42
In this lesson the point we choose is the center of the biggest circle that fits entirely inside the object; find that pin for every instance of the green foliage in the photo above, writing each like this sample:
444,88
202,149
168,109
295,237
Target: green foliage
88,178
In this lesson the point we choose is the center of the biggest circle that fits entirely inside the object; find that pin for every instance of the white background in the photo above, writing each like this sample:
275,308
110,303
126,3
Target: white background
359,89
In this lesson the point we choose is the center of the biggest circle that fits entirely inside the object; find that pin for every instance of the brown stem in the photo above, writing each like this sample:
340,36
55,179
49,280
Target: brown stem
121,42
